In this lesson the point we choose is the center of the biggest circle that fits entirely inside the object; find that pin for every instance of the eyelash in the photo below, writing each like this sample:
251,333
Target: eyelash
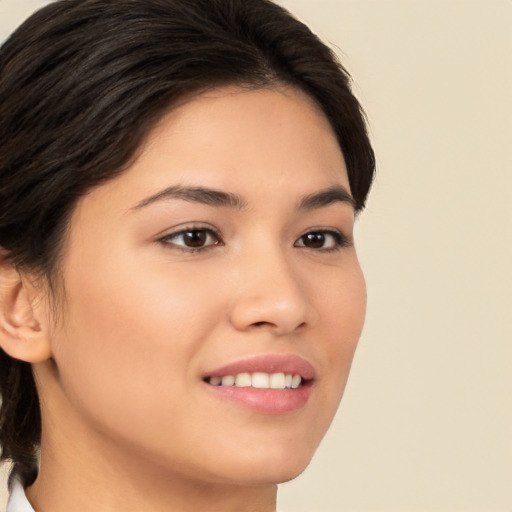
167,239
340,241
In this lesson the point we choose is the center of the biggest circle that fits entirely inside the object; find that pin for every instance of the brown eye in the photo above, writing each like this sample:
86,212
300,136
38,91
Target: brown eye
314,240
193,239
322,240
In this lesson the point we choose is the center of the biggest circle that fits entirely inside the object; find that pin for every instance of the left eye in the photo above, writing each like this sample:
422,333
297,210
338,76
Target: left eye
196,238
326,240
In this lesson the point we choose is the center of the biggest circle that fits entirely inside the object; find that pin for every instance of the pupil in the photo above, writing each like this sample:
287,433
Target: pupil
194,238
315,240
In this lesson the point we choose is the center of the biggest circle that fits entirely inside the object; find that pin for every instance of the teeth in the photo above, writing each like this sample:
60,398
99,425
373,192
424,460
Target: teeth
228,380
259,380
296,381
277,381
243,380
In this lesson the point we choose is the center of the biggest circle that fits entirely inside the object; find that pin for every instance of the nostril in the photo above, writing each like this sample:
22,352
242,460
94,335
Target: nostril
270,325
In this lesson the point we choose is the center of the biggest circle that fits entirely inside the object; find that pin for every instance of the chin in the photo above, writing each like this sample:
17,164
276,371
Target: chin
285,474
266,455
278,474
267,468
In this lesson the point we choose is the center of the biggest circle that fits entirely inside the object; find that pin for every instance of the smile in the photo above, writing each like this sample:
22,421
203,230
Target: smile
258,380
268,384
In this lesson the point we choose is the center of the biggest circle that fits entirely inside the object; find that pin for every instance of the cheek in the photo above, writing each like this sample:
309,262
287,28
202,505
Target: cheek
343,309
131,334
341,300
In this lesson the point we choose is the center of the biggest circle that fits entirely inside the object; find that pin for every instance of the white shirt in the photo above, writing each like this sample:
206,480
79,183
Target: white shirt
17,499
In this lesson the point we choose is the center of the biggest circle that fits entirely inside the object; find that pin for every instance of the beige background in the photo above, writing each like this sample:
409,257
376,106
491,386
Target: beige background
426,423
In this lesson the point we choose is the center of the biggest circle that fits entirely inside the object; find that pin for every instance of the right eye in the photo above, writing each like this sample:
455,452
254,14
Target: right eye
192,239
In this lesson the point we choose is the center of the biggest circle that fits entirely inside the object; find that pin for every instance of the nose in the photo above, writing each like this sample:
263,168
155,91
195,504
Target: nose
270,294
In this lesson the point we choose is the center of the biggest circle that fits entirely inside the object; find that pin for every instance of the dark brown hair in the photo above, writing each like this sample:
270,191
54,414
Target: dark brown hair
82,82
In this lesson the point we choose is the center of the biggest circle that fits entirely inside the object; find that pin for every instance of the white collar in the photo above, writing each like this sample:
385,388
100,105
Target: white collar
18,501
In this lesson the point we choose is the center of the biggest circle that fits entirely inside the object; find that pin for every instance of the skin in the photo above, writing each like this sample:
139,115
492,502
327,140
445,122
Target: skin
128,423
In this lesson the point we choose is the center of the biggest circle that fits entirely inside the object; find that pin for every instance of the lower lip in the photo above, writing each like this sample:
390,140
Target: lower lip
266,401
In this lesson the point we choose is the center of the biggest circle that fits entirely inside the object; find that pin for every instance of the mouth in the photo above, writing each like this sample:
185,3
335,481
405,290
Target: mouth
259,380
265,384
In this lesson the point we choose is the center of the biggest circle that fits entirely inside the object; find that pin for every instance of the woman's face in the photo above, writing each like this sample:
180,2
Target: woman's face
225,250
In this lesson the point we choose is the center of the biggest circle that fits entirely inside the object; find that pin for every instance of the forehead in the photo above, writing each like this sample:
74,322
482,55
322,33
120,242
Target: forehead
266,145
231,134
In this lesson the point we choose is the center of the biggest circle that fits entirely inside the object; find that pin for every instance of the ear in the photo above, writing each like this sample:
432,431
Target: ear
21,333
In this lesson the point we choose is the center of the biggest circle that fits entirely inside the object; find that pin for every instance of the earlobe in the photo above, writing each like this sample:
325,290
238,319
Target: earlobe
22,335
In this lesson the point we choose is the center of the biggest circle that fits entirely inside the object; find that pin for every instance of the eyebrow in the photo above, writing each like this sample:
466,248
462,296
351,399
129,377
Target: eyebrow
218,198
323,198
201,195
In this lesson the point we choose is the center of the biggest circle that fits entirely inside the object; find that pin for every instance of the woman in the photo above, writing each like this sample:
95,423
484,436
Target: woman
180,293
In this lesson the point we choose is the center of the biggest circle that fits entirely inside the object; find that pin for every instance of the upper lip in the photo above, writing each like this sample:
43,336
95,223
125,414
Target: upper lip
289,364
